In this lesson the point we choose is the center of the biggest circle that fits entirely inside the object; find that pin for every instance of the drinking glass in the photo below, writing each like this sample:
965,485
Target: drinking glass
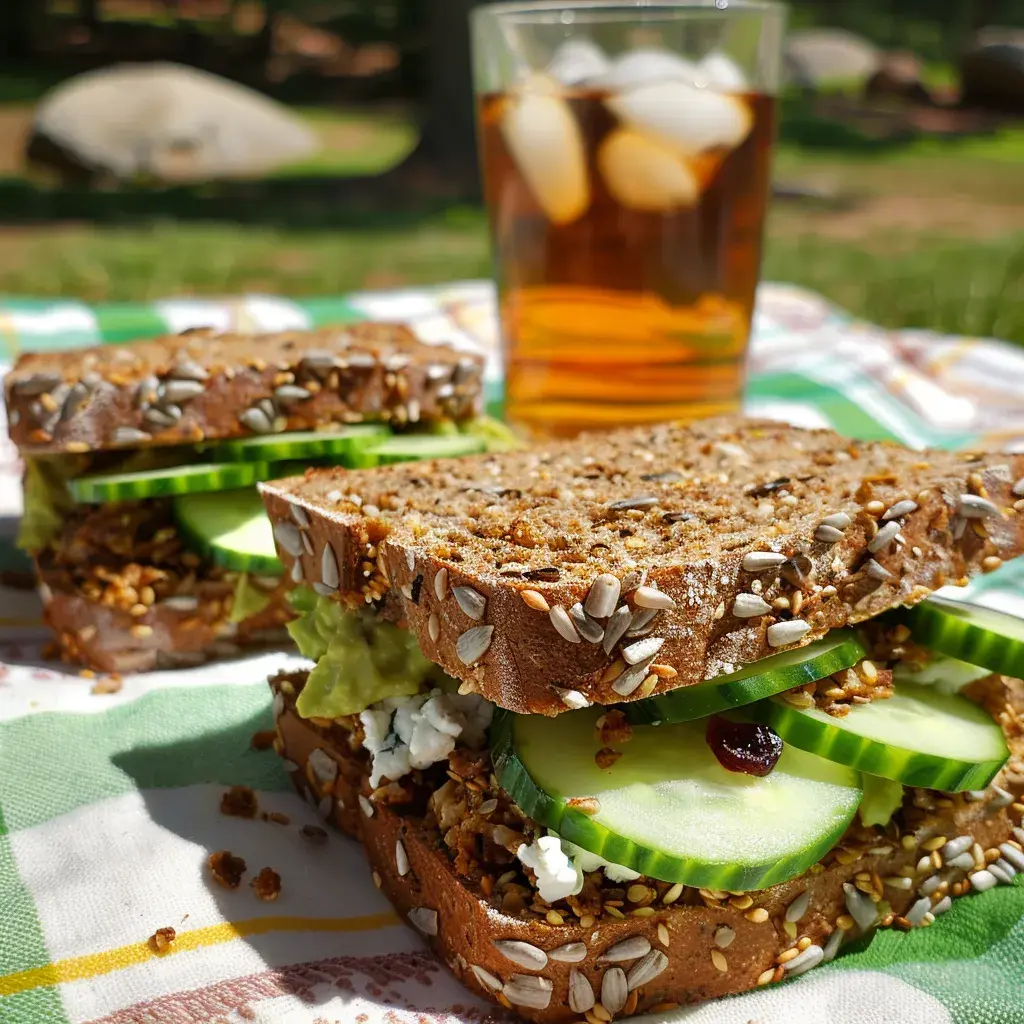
626,153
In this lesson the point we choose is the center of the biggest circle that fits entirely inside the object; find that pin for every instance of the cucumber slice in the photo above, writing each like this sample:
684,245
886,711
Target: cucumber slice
667,807
230,528
947,675
840,649
413,447
161,483
918,737
310,444
980,636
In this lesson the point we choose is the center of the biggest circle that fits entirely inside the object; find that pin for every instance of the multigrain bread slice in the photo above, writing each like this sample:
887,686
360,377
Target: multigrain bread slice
681,947
726,540
204,386
121,591
175,631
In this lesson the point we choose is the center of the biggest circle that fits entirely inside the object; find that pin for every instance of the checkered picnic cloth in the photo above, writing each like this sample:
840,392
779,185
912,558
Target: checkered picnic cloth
108,804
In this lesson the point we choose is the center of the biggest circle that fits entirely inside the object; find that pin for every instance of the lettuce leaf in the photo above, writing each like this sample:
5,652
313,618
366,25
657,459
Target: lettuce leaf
249,600
882,798
47,501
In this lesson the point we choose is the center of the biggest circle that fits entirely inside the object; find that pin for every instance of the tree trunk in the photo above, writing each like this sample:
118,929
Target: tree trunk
90,13
445,160
16,41
983,12
263,42
444,163
449,132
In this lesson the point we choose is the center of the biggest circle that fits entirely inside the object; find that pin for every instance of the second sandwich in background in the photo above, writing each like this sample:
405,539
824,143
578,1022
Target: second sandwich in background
150,542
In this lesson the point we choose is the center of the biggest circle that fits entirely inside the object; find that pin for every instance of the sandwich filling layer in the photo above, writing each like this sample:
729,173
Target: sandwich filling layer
527,871
162,556
571,815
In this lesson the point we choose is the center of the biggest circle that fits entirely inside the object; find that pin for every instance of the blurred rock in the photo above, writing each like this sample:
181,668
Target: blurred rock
162,122
816,56
992,71
899,78
993,34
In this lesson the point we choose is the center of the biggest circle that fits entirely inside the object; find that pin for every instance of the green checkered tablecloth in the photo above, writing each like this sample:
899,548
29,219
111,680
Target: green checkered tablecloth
108,804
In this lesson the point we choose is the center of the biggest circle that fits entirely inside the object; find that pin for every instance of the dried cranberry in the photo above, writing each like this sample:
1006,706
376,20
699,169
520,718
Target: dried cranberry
743,746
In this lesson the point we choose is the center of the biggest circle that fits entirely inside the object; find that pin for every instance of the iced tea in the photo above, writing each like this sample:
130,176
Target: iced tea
627,226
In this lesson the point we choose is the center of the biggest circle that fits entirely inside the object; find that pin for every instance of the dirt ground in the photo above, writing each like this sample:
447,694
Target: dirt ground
15,122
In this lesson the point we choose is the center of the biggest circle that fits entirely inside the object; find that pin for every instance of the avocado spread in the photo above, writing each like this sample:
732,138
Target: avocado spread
361,659
496,435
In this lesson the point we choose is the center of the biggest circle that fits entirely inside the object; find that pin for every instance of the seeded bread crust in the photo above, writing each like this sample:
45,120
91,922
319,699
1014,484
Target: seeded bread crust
684,511
467,926
234,385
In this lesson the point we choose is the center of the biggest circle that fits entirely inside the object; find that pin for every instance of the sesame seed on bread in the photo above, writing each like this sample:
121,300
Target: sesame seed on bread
205,386
545,579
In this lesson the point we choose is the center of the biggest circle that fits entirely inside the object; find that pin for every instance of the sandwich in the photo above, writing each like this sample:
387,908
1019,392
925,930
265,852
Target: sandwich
650,717
149,539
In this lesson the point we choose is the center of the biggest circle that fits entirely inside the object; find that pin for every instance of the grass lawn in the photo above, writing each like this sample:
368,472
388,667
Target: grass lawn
927,234
355,141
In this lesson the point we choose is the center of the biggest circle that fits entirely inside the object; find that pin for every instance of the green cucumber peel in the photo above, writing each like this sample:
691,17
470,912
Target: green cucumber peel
335,444
414,447
839,650
969,632
668,809
193,478
918,737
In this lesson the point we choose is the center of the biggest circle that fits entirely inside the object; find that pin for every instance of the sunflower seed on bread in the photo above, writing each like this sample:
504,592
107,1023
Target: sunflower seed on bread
205,385
570,549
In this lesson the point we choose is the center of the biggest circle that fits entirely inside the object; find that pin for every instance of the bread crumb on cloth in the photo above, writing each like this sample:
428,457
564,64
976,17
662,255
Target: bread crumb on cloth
239,802
160,941
267,885
226,868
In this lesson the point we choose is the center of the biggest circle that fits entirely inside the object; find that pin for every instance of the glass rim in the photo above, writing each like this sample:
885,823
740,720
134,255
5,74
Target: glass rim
540,11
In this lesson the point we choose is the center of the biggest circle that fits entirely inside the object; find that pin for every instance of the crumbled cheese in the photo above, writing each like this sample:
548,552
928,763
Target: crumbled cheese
557,876
376,726
586,861
403,733
618,873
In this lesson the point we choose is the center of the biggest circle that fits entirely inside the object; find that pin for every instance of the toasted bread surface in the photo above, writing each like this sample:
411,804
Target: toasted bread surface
727,540
204,386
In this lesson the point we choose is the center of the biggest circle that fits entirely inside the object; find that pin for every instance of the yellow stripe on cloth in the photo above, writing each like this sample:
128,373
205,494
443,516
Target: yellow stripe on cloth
77,968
